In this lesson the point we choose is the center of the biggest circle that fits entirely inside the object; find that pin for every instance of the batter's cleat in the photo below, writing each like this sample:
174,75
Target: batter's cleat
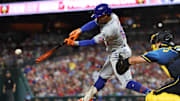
81,99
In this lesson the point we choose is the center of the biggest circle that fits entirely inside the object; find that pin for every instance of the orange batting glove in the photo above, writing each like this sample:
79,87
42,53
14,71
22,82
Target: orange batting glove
75,34
69,41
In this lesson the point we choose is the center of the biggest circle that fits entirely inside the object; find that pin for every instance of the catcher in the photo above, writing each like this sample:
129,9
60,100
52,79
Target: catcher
165,53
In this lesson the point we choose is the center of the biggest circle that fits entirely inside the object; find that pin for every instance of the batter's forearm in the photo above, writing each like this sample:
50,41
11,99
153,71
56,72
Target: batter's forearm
85,43
136,60
88,26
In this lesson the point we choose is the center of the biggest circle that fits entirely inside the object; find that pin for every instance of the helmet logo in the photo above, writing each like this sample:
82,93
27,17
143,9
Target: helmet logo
100,8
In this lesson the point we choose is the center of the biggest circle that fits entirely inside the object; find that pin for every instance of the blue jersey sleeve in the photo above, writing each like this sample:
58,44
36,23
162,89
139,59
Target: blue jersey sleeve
151,56
87,42
89,26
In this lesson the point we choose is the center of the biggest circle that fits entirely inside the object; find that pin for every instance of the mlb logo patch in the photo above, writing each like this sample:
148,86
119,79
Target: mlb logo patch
4,9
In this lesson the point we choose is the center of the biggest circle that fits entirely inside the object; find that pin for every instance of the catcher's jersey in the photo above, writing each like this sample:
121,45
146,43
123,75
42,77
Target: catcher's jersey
112,33
166,58
161,56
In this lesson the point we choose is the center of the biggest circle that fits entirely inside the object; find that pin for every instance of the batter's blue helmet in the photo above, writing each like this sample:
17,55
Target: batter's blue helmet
101,10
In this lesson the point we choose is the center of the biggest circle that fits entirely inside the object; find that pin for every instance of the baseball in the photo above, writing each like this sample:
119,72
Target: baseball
18,51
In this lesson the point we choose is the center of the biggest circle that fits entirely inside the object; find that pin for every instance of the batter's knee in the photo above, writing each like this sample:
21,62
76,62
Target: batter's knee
125,78
125,83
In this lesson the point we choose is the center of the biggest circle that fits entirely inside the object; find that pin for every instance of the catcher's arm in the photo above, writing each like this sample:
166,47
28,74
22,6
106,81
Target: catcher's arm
136,60
123,64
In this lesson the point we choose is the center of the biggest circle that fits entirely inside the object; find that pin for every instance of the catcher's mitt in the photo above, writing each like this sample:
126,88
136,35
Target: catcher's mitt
122,65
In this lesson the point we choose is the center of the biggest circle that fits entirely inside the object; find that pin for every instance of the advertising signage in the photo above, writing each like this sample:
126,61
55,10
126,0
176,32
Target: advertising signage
60,6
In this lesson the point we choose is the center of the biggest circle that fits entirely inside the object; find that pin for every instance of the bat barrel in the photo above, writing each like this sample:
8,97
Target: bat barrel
49,53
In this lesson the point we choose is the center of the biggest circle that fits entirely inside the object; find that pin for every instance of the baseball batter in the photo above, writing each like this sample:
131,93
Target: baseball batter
113,35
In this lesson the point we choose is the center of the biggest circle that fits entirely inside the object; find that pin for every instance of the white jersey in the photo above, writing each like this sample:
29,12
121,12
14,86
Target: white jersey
112,33
116,43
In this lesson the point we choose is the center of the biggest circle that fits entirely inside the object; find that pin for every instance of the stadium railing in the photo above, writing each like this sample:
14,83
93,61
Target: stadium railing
103,98
23,87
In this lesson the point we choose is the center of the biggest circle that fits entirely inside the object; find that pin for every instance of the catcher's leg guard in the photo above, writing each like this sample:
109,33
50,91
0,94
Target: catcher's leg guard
172,87
162,97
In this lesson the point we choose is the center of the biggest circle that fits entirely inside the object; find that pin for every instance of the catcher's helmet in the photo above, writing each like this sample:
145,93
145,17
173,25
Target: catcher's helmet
163,36
101,10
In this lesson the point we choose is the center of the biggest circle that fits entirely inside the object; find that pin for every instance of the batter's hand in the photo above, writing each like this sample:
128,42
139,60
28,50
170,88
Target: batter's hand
69,41
75,34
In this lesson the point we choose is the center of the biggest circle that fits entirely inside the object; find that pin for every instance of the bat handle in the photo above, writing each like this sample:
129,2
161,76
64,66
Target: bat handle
63,43
60,45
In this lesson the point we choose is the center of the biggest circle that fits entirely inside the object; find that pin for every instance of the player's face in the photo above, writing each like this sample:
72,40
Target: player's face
103,19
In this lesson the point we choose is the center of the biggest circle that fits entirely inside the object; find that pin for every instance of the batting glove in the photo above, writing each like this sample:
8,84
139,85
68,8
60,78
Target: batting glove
75,34
69,42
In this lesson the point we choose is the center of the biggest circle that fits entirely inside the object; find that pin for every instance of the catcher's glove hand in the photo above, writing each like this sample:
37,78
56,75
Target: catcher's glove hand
122,65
